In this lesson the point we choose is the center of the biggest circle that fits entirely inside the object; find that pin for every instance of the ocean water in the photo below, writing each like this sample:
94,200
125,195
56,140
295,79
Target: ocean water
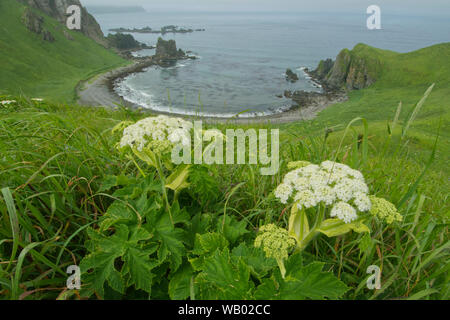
242,57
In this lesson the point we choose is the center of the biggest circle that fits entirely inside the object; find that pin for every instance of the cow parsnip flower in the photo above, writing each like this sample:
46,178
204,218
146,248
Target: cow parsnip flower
329,184
7,102
283,192
344,212
164,129
276,243
384,210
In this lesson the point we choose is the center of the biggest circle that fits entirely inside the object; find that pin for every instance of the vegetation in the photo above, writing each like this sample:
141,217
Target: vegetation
71,197
72,193
45,69
123,41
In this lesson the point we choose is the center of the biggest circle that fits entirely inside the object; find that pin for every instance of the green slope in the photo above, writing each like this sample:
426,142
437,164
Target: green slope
402,77
37,68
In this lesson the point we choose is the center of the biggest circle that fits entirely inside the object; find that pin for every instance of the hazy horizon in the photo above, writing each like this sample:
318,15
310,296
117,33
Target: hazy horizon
410,7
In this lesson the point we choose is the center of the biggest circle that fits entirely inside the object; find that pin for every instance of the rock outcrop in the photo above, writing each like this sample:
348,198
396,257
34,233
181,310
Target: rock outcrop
167,53
57,10
32,21
167,49
35,23
352,70
291,76
323,69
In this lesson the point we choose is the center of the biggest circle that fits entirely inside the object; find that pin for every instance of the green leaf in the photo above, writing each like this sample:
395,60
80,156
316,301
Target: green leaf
209,243
198,224
204,186
336,227
232,228
298,224
177,181
365,244
205,245
255,258
147,156
180,283
113,181
103,270
230,279
301,282
139,266
169,237
118,212
126,243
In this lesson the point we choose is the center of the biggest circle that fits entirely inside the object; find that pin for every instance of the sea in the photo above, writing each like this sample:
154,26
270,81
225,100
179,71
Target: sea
242,57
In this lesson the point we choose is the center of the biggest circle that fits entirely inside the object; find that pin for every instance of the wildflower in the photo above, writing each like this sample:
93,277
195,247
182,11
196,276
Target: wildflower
37,99
329,184
305,199
6,102
344,212
384,210
276,243
283,192
362,202
161,128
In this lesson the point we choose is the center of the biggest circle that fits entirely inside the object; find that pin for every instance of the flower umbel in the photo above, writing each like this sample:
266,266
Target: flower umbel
384,210
164,129
276,243
329,184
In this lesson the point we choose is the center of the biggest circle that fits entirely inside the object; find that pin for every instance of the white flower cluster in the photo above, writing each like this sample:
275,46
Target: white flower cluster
6,102
331,184
160,128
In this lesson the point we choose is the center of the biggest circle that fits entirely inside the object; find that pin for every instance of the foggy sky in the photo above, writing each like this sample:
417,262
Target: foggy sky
440,7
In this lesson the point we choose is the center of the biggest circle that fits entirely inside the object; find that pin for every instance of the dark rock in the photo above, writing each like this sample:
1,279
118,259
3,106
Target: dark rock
167,53
166,49
32,21
47,36
322,70
303,99
57,10
291,76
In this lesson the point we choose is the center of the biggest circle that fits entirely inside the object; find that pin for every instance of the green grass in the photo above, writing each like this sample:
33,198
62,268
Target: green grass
41,69
403,78
56,158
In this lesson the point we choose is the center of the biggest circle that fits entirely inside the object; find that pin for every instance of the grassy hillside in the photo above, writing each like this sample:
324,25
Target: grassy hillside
38,68
404,77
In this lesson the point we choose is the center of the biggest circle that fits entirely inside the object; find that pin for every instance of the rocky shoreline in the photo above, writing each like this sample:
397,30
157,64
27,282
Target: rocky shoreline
164,30
101,92
306,105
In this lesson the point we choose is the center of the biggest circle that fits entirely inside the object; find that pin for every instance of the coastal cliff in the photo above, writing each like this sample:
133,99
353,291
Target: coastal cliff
57,10
353,69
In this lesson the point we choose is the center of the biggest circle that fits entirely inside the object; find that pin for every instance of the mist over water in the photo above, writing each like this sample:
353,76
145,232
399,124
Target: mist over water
243,56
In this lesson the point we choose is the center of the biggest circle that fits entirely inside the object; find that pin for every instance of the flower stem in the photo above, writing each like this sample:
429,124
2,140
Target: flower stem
163,182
